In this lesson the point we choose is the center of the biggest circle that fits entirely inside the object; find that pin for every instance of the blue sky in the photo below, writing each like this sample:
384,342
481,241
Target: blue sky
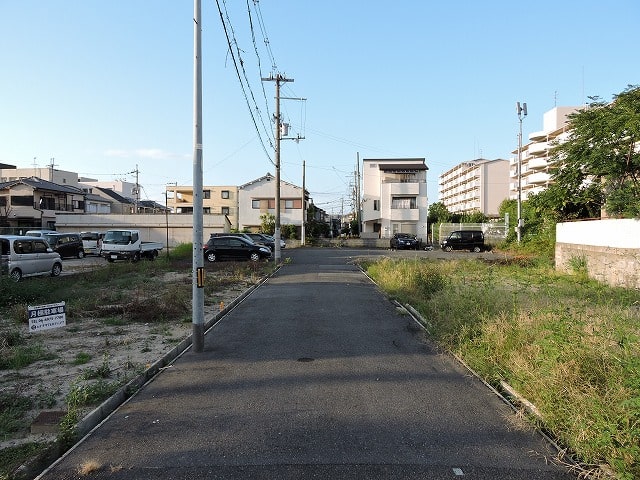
104,86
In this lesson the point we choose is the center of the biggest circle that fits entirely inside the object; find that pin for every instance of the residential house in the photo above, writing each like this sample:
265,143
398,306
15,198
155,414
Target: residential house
258,197
33,202
394,197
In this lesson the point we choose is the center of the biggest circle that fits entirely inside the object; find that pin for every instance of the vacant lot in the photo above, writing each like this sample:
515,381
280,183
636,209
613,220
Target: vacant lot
120,318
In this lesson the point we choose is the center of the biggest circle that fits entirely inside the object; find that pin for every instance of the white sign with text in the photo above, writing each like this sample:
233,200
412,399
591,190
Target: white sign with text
46,317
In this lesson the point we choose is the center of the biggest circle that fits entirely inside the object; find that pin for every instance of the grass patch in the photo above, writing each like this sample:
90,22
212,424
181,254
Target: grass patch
570,345
11,458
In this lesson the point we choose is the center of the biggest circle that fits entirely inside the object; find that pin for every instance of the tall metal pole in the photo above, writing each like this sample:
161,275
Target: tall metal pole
522,112
277,131
304,210
198,257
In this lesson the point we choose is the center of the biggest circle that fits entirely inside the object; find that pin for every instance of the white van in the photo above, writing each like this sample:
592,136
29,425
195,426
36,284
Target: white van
92,242
22,256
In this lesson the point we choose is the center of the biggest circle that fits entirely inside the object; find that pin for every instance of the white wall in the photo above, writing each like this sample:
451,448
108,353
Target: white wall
614,233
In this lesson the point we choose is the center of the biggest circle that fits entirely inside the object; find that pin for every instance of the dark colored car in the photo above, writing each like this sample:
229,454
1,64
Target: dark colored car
263,239
234,248
401,241
472,240
66,244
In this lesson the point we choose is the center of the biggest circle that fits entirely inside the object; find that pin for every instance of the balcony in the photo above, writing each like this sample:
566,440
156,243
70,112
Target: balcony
405,214
538,149
538,178
400,189
537,163
537,136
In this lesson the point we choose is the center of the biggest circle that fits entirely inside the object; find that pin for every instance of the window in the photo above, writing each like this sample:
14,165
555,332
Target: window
225,210
404,203
22,200
206,209
288,204
255,203
3,201
376,205
224,194
206,194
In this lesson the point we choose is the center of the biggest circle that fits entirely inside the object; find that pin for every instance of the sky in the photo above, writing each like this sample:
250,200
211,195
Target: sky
106,88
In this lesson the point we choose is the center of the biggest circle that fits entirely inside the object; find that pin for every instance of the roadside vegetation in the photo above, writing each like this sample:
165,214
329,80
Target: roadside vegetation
567,344
117,295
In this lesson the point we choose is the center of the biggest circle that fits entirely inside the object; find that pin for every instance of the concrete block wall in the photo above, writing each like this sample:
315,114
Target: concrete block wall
610,248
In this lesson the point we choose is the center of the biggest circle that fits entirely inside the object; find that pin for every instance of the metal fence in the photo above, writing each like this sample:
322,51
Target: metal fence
494,233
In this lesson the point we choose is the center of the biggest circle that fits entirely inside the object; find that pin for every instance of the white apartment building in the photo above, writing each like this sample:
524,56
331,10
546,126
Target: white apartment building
476,185
535,161
394,197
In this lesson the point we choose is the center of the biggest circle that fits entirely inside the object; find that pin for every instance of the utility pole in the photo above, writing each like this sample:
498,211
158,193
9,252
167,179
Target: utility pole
304,210
278,136
358,199
51,165
197,282
522,112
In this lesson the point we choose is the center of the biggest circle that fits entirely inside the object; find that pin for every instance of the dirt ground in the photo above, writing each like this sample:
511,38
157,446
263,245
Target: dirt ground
123,349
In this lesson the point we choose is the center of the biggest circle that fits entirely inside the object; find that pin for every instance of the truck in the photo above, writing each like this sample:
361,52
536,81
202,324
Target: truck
127,245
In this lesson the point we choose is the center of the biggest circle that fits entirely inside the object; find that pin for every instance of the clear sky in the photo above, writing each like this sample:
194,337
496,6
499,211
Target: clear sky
103,87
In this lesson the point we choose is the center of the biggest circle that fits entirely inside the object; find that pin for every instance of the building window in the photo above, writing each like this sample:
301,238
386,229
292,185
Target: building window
206,194
22,200
255,204
404,203
224,194
288,204
206,209
225,210
376,205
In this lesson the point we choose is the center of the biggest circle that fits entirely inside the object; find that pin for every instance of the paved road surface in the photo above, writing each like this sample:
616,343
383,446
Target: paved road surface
314,376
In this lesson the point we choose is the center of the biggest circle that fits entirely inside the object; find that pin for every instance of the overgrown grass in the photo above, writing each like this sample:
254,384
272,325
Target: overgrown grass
568,344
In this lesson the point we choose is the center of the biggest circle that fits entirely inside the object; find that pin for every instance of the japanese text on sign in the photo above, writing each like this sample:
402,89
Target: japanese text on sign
46,317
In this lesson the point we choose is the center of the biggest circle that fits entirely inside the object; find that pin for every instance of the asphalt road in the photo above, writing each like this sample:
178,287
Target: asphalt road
315,375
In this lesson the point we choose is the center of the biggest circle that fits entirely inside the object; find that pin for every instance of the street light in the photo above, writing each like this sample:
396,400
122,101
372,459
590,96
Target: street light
521,110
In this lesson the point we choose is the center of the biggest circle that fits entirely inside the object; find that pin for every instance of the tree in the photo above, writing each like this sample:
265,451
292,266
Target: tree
268,223
599,164
438,213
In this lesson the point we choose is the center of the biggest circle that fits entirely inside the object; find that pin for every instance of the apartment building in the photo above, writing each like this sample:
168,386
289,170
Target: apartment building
535,160
218,200
476,185
394,198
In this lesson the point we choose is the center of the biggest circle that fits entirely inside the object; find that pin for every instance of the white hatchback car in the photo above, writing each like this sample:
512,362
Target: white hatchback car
27,256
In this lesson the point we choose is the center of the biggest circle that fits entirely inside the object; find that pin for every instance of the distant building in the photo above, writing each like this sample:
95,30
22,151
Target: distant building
33,202
535,160
394,197
476,185
258,197
216,200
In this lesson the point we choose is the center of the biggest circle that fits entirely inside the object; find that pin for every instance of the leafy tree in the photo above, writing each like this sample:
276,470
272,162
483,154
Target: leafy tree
599,164
268,223
438,213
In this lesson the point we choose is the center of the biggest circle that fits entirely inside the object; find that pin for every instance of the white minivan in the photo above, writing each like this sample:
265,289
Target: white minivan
22,256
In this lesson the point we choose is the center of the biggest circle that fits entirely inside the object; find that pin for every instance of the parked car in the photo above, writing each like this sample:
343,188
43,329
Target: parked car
271,238
262,239
66,244
234,234
22,256
91,242
472,240
234,248
401,241
38,233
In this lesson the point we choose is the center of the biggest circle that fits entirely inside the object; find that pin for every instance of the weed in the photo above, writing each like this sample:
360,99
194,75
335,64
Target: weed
568,344
13,406
12,457
81,358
